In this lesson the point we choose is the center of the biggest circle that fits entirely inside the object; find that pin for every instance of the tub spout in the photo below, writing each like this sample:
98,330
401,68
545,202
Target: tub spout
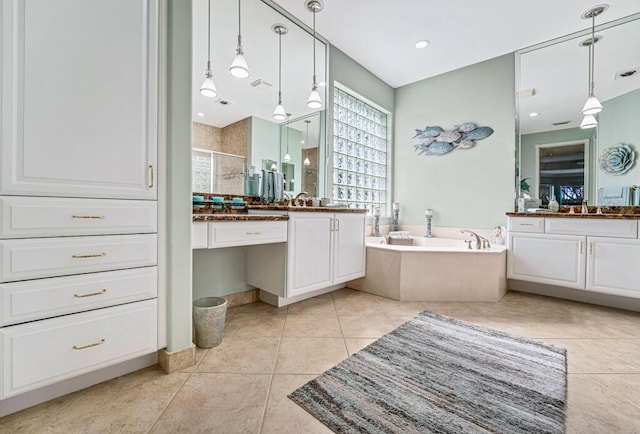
478,242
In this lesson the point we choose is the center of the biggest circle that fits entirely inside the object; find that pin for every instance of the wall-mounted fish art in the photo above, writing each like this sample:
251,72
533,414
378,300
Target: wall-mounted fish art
436,141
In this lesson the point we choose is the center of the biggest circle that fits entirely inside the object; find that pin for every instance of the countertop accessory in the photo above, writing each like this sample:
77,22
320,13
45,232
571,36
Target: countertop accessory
396,216
428,215
376,224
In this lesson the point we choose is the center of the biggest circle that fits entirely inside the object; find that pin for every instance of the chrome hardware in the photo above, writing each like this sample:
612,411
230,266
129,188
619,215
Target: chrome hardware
468,244
298,196
93,255
90,294
94,344
92,217
478,243
151,176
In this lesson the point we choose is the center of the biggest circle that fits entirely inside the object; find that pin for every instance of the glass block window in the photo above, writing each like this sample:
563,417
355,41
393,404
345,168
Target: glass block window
359,153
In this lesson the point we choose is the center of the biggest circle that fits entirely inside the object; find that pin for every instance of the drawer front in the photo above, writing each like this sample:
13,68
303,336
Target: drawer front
43,352
50,257
199,238
599,227
43,298
526,224
246,233
27,217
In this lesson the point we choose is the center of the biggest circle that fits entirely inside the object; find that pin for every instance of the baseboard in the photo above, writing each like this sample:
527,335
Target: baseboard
616,301
277,301
47,393
176,361
241,298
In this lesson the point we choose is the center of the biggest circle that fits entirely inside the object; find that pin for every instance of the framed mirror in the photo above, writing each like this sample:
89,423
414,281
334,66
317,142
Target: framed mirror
552,87
300,140
237,125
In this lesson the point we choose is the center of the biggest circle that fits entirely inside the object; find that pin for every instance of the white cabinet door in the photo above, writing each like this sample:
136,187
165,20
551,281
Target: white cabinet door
348,247
612,266
308,252
79,100
552,259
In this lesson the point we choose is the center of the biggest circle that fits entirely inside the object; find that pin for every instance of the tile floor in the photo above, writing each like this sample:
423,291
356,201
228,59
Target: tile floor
242,385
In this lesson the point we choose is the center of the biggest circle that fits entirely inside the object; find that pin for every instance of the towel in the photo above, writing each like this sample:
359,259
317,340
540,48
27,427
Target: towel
278,187
614,196
636,196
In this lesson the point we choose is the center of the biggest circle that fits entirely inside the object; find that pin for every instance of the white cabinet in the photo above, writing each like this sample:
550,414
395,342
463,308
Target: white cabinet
246,233
348,247
612,266
79,99
199,235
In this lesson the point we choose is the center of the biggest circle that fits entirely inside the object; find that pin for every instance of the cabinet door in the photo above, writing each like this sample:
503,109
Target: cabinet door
612,266
348,247
308,253
79,106
552,259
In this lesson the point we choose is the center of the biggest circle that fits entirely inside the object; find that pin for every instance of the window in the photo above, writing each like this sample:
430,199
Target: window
360,154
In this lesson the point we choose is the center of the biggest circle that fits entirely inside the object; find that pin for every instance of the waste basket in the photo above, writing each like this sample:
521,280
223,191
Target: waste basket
208,321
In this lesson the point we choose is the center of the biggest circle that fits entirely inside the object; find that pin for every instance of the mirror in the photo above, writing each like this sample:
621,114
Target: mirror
237,126
300,138
553,87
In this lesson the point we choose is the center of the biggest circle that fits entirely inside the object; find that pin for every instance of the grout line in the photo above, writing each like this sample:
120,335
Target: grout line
170,401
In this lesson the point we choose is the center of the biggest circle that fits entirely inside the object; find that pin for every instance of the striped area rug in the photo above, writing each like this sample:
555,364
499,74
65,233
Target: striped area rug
436,374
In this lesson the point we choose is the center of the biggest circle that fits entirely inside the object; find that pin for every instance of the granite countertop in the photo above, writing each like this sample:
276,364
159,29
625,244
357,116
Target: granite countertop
237,217
575,216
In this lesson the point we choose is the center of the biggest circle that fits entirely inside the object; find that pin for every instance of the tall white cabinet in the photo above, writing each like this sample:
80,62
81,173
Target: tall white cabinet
78,188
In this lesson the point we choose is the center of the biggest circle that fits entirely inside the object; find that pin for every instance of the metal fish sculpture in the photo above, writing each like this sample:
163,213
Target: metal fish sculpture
449,136
428,132
439,148
466,127
479,133
466,144
420,141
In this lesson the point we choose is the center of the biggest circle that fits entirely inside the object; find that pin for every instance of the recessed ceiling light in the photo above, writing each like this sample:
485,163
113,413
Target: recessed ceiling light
533,114
200,114
422,44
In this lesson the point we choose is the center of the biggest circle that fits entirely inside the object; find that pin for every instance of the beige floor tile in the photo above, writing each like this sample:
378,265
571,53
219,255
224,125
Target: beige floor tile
356,344
262,308
625,385
255,326
200,353
31,420
592,408
320,305
352,302
216,403
369,326
241,356
230,313
303,325
128,404
309,355
284,416
446,308
600,356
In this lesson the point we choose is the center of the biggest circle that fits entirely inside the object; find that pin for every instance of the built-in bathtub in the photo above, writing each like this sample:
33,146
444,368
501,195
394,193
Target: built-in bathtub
434,269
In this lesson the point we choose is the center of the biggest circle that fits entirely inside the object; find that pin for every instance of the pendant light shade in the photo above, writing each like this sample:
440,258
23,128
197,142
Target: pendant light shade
208,87
592,106
279,113
589,121
306,161
314,101
239,67
287,156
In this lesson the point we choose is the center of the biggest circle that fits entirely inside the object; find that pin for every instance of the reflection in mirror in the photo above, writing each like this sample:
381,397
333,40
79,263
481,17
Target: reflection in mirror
239,120
288,170
300,138
553,87
560,169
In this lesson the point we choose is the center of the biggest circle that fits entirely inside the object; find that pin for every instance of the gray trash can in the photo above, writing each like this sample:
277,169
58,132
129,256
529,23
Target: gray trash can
209,315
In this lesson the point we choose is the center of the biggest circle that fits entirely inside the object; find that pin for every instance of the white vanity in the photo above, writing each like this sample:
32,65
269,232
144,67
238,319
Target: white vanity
595,254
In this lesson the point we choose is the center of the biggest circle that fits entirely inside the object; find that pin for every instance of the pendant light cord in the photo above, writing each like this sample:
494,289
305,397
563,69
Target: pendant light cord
314,50
209,37
280,68
287,134
239,49
592,55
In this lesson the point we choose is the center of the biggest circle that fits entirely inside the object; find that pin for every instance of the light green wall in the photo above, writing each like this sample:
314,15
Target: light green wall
619,122
264,141
528,144
218,272
466,188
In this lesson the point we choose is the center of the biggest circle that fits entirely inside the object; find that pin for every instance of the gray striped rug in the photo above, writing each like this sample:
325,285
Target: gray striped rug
436,374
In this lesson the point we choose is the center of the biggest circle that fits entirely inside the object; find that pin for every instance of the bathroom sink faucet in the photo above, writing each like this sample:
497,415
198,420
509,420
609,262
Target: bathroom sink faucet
298,196
478,243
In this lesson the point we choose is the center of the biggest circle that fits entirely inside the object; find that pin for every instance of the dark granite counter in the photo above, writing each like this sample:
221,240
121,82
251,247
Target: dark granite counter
237,217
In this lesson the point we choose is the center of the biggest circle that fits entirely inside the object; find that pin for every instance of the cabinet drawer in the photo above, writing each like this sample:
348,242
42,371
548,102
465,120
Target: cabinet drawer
28,217
199,237
599,227
229,234
43,298
43,352
526,224
49,257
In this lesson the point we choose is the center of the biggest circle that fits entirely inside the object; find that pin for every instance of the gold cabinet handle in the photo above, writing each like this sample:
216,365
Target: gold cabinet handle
90,294
94,344
337,225
526,224
590,248
90,217
581,247
93,255
151,176
253,233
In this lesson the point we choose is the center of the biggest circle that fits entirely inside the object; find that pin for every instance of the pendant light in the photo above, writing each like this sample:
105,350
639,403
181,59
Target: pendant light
208,87
279,113
306,161
589,121
287,156
239,67
592,106
314,101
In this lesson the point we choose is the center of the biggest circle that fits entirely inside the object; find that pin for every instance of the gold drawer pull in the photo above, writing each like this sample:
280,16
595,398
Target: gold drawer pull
253,233
94,255
526,224
90,294
91,217
84,347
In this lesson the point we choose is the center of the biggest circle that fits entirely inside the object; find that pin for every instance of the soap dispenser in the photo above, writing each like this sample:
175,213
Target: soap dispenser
554,206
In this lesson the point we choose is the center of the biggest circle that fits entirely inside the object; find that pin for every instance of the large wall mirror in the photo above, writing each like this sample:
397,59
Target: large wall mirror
553,87
236,130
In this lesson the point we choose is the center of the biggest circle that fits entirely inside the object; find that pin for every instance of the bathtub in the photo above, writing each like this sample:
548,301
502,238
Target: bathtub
434,269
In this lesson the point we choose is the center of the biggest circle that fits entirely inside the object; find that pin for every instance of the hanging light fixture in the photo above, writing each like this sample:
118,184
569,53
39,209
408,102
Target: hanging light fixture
314,101
208,87
592,106
287,156
239,67
279,113
588,121
306,161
